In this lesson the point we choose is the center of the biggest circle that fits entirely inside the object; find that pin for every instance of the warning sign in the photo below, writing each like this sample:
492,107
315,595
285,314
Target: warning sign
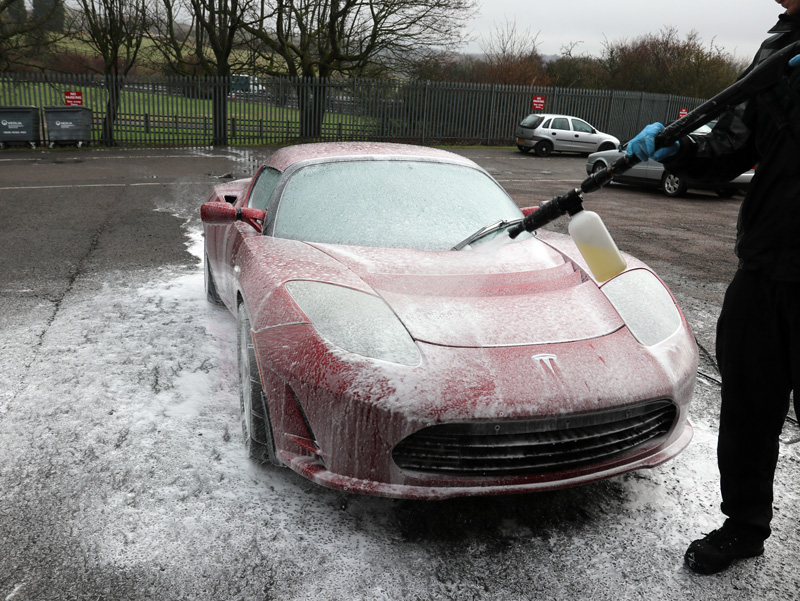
73,98
538,103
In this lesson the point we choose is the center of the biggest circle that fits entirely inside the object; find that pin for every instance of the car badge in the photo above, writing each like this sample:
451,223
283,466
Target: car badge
546,359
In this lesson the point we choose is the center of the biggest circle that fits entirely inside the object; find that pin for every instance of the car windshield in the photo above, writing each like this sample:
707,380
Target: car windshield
392,203
531,121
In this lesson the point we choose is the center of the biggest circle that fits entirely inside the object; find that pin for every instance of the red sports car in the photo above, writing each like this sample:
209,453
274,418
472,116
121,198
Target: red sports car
394,341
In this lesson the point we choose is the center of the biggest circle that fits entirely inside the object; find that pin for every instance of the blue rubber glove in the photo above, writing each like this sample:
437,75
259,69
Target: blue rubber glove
643,145
795,61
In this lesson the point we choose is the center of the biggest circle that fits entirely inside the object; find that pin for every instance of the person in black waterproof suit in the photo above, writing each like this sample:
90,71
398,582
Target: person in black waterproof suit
758,332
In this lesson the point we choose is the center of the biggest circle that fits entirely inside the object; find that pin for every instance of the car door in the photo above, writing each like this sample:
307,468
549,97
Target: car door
654,172
584,136
261,191
560,133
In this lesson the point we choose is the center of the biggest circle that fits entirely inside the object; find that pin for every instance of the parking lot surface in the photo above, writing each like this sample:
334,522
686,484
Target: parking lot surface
121,469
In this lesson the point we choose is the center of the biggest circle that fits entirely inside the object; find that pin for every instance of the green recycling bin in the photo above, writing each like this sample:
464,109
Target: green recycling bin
68,125
19,125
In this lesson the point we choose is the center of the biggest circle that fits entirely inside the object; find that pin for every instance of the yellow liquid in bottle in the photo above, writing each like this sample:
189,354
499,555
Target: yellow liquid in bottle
604,263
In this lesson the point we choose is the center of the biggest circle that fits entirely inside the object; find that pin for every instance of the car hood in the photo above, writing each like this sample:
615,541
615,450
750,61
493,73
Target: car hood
521,293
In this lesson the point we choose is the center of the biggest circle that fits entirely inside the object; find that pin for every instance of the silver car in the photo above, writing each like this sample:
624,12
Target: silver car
652,173
562,133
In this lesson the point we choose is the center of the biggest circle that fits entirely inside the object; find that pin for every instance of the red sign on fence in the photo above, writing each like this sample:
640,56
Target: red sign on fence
538,103
682,113
73,98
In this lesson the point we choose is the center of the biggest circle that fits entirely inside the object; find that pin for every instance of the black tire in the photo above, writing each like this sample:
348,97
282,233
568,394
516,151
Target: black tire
524,149
606,146
673,185
256,427
543,148
211,288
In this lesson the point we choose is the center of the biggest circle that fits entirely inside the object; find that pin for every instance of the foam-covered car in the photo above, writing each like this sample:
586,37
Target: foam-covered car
393,340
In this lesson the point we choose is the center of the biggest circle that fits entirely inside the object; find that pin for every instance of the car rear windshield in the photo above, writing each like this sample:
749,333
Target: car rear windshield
390,203
531,121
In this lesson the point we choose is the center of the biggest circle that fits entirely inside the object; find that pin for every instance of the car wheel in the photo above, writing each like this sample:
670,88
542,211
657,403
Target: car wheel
211,288
673,185
605,146
256,427
523,148
543,148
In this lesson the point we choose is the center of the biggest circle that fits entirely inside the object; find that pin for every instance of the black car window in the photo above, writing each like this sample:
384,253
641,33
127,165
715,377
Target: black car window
582,126
546,124
561,123
531,121
263,188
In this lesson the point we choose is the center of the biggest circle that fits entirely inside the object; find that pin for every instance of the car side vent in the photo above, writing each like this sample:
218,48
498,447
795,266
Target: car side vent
533,447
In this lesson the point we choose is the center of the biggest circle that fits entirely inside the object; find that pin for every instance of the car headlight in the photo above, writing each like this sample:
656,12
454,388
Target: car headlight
355,321
645,306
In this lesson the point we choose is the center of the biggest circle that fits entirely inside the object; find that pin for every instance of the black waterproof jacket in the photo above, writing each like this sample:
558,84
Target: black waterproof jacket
763,131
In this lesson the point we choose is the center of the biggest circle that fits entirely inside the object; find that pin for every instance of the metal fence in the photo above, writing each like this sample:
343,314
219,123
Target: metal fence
172,111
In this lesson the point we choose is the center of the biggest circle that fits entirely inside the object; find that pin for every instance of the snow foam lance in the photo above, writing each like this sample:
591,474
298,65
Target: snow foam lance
587,230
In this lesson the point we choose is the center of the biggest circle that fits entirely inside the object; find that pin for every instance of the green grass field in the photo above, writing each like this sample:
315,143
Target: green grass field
162,112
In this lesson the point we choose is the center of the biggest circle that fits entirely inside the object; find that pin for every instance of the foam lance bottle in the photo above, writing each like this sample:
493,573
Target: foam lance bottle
596,245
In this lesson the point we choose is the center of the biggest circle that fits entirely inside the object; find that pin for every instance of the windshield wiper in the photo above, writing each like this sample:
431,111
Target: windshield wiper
485,231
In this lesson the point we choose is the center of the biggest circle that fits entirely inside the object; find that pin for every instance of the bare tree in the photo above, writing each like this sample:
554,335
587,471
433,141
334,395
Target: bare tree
322,38
24,37
50,14
201,45
573,70
512,57
664,63
115,30
172,35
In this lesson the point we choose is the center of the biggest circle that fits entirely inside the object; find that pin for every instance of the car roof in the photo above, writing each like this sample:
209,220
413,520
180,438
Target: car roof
551,115
290,155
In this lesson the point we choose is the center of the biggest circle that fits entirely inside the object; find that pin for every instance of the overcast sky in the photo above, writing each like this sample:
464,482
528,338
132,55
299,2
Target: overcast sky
738,26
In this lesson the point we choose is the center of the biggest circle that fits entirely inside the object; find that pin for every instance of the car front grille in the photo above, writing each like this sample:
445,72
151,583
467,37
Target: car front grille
533,447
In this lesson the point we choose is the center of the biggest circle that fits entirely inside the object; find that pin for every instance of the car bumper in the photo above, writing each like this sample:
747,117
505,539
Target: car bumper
315,471
340,422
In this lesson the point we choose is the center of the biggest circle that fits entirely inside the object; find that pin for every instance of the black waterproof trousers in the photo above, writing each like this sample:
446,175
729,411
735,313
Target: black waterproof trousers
758,350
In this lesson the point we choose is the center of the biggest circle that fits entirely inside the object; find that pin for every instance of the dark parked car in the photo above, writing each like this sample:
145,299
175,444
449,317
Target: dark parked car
653,174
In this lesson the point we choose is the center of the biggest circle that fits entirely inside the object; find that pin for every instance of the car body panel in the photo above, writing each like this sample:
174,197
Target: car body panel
513,334
567,133
651,173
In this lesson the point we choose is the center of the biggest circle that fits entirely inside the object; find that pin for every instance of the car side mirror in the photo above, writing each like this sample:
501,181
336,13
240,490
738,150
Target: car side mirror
222,213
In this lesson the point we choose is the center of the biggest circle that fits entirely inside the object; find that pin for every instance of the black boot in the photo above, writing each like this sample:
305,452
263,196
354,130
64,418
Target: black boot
717,550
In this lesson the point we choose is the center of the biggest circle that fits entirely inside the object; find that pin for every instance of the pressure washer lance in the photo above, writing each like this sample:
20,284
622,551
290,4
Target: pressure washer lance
589,232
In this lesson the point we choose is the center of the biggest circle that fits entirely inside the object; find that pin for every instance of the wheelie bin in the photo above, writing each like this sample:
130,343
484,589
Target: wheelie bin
19,125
